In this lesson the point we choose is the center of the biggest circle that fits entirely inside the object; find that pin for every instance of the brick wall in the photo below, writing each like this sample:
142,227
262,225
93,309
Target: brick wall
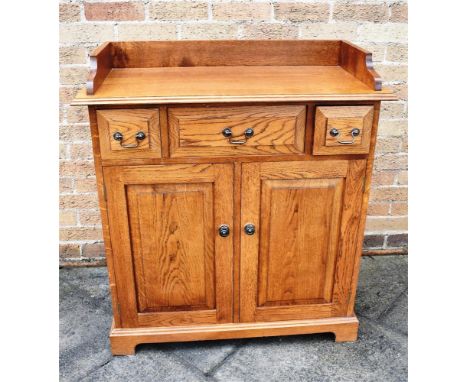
379,26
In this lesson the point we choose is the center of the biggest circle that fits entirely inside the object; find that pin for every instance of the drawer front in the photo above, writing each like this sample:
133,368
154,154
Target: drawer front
240,130
129,133
342,129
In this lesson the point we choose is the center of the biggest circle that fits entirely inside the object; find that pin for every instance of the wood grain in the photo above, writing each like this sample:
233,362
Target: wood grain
173,246
289,270
124,341
129,122
172,276
344,119
197,131
358,62
167,253
230,84
147,54
100,62
305,214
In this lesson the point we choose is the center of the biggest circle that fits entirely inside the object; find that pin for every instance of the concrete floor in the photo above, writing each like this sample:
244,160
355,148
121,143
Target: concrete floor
380,354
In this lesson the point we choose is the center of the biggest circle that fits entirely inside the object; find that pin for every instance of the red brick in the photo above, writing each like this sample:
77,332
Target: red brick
378,209
69,250
400,240
117,11
374,241
93,249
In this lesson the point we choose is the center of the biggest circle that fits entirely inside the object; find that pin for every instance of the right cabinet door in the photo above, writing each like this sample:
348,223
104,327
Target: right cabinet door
299,262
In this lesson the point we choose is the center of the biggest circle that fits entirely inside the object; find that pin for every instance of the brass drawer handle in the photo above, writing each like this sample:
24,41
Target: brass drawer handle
138,137
248,133
354,133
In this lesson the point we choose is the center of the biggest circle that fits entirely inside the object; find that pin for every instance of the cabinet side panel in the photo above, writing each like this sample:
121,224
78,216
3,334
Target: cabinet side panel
104,217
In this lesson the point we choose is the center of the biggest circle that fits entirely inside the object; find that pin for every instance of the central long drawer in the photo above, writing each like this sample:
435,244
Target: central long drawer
236,130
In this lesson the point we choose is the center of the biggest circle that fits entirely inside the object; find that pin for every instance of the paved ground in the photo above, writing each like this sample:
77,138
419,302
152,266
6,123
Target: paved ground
380,354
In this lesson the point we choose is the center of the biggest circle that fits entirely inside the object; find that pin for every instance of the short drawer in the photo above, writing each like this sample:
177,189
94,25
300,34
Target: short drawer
240,130
342,129
129,133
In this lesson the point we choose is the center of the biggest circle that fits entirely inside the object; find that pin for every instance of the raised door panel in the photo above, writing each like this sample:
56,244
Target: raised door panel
172,245
299,227
299,265
172,268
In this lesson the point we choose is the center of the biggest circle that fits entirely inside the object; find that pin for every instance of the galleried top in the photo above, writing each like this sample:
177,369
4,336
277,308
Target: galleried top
230,71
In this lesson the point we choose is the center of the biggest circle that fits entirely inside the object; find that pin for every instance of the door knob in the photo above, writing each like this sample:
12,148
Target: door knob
223,230
249,229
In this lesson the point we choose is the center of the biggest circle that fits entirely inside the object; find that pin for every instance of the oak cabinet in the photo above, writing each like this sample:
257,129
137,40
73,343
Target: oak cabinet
233,179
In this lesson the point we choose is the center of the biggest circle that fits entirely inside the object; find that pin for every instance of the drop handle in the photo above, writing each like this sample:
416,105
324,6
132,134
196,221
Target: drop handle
248,133
224,230
118,136
249,229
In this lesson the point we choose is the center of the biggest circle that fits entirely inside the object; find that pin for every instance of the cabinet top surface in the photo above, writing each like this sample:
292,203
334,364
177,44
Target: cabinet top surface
230,71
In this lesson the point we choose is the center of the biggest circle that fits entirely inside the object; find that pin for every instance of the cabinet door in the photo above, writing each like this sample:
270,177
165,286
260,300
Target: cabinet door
299,262
172,267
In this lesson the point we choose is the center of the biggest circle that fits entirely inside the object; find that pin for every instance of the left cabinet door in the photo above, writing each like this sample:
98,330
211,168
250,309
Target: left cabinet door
172,266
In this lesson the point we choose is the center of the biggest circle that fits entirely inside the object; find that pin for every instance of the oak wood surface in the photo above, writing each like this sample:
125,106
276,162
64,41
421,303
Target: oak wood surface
124,340
172,276
100,62
343,119
198,131
162,221
230,84
358,62
289,269
149,54
129,122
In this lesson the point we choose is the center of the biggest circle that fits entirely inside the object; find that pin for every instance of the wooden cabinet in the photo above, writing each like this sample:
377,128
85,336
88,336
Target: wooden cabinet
233,190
